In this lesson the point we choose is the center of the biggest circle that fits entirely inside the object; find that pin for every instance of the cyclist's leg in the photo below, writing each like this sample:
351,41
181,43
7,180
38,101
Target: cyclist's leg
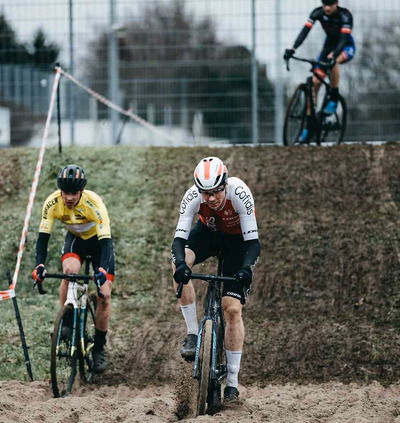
234,338
71,262
197,250
234,331
345,56
319,71
233,298
103,310
309,129
187,303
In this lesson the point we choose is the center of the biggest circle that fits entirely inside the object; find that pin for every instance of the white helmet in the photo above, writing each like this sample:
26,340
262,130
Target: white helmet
210,173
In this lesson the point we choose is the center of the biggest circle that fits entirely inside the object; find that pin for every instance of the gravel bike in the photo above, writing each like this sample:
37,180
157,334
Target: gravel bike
327,128
72,340
210,367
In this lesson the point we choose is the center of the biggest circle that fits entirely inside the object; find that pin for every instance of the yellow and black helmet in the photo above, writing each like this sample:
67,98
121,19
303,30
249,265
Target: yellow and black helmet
71,178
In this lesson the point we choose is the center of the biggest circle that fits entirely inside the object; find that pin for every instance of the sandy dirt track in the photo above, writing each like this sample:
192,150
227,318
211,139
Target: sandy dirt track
329,402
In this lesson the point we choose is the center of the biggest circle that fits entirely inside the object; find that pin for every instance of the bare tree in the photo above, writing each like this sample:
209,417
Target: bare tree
167,57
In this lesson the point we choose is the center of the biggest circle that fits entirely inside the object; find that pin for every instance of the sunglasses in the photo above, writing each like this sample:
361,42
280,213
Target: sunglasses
214,192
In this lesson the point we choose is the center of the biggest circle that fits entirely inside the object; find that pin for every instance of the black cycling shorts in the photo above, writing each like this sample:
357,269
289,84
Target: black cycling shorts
205,243
81,248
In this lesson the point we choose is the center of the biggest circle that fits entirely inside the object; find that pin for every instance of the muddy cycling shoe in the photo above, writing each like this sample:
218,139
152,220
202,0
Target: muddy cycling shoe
188,351
99,361
230,394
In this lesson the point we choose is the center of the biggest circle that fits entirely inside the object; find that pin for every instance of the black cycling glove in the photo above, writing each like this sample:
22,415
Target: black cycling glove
289,52
331,62
244,276
182,273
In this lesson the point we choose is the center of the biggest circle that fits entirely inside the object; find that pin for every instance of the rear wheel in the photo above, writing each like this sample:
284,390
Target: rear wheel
63,357
333,127
295,116
87,343
204,368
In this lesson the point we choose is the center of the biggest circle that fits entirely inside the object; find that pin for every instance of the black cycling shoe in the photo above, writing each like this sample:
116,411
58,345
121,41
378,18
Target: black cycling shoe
188,351
99,361
230,394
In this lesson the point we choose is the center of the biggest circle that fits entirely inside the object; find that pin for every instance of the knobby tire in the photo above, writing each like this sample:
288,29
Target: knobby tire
86,362
204,364
330,135
214,390
301,90
62,364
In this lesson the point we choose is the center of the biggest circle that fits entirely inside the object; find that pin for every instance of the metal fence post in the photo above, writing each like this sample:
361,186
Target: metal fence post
113,71
279,112
254,80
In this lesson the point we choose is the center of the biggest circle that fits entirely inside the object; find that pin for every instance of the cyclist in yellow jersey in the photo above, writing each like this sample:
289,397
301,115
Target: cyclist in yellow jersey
88,233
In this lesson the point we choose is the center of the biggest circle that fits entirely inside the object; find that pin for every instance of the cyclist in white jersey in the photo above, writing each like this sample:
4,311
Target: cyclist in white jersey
227,225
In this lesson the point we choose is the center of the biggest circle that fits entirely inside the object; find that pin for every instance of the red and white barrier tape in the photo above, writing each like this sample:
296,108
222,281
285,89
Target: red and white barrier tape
113,106
4,295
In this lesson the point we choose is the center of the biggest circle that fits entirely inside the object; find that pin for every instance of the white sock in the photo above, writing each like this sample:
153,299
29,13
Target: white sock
190,315
233,361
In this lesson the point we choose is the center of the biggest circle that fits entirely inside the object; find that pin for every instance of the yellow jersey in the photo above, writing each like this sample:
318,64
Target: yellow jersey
88,218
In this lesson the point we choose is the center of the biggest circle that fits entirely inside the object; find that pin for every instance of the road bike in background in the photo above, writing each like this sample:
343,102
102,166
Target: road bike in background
328,128
210,367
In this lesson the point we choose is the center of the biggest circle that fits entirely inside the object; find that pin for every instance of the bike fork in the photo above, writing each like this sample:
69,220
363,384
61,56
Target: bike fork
74,331
199,339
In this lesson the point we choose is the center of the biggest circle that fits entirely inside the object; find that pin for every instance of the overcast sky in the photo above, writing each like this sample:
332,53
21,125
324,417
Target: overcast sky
233,19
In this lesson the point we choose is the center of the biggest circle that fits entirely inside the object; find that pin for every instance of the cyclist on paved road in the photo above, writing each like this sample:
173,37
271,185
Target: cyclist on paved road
88,233
339,48
227,224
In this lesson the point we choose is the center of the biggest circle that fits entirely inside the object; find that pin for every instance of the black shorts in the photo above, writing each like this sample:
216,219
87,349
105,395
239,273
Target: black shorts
81,248
205,243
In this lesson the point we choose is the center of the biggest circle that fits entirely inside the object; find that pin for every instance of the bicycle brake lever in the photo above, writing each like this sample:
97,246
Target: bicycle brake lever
179,291
287,65
39,287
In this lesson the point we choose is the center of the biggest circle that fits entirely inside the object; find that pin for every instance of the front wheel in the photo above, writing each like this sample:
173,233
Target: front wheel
214,389
295,117
63,357
204,367
333,127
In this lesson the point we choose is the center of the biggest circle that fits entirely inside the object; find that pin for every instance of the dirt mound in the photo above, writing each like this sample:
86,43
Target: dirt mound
326,295
325,305
290,403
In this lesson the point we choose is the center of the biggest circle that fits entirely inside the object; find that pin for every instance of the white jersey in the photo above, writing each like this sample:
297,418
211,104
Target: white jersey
238,215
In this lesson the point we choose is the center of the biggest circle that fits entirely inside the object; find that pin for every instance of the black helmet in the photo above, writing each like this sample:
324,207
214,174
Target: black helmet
71,178
329,2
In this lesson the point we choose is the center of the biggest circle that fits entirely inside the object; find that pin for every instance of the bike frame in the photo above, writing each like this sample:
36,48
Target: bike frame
213,311
310,86
77,296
